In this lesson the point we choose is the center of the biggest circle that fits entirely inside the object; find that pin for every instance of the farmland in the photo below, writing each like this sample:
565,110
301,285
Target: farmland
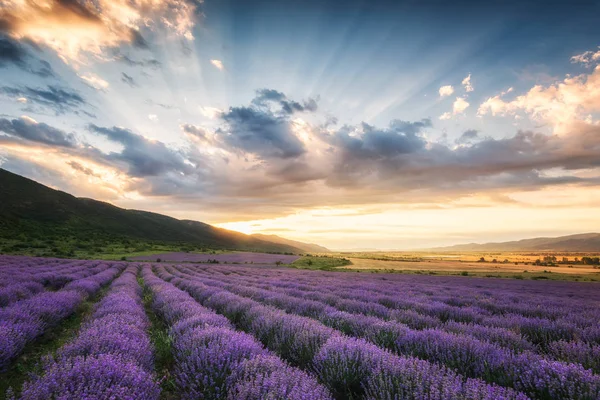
137,329
518,265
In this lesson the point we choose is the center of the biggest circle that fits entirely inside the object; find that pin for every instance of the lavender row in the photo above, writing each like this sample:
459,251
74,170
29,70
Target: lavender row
20,285
500,336
502,298
542,318
24,321
110,358
526,372
508,330
351,368
317,302
213,361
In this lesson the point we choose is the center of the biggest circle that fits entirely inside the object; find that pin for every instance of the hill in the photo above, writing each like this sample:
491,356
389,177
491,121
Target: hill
306,247
584,242
31,212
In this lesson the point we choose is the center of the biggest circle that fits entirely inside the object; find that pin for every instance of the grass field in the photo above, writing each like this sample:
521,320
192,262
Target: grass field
497,264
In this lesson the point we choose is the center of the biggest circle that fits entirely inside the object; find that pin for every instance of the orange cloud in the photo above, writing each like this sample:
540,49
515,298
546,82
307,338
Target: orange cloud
72,28
561,104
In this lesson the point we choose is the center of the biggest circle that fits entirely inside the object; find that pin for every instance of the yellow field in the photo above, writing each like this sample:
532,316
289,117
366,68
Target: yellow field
459,266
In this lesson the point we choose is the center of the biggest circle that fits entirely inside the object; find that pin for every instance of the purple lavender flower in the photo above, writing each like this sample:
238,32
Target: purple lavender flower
267,377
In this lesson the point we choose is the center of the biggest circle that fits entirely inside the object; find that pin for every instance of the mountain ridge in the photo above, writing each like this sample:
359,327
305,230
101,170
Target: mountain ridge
32,211
581,242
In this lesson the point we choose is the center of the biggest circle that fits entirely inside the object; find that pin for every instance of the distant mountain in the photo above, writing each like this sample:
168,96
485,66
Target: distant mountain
29,210
306,247
584,242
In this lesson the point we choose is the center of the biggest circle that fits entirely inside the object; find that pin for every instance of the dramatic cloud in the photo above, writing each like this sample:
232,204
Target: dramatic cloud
459,106
359,146
265,128
218,64
29,129
560,104
260,132
58,99
445,116
467,83
71,27
13,53
144,157
265,153
446,90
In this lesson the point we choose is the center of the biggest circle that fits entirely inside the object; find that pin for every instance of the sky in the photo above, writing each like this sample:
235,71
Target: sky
355,125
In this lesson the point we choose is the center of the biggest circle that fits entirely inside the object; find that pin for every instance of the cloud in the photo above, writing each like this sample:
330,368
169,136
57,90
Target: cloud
71,27
368,142
153,117
210,112
85,170
144,157
446,90
128,80
196,133
260,158
467,137
587,58
29,129
459,106
58,99
265,97
13,53
260,132
445,116
467,84
94,81
560,104
218,64
151,63
264,129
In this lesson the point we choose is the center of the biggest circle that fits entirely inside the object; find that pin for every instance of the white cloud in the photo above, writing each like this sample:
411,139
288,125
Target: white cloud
560,104
587,58
446,90
210,112
467,83
22,100
153,117
460,105
445,116
218,64
94,81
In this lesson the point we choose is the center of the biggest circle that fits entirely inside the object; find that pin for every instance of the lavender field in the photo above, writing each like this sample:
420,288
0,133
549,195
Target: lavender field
238,257
198,331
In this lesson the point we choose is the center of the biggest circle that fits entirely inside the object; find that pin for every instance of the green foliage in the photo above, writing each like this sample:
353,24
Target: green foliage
320,262
162,342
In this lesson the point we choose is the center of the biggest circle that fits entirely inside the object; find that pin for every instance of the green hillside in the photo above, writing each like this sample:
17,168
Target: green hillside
33,216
